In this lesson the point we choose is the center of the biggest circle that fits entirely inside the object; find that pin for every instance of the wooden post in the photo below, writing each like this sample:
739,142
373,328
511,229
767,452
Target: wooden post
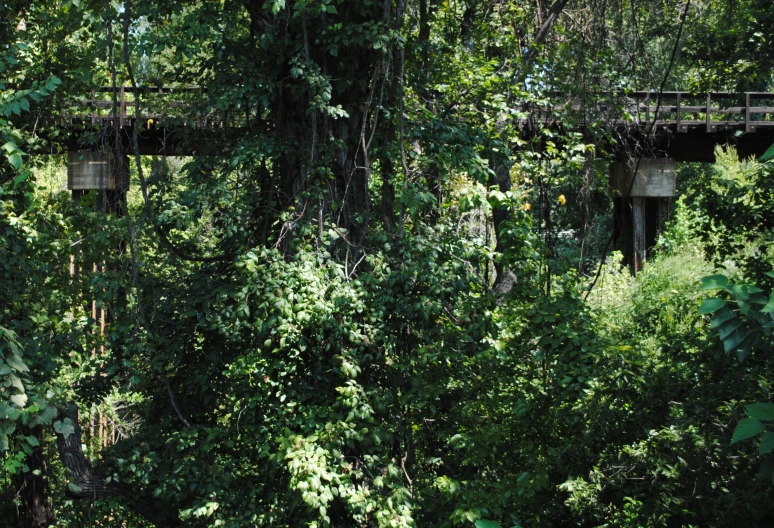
747,127
647,106
679,98
708,118
122,109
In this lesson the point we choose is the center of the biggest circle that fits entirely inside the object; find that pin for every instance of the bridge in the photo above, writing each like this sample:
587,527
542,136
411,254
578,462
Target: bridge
684,126
167,118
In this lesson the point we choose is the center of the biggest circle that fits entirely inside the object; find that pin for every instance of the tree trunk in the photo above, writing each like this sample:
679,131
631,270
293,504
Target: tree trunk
502,178
85,483
32,486
468,19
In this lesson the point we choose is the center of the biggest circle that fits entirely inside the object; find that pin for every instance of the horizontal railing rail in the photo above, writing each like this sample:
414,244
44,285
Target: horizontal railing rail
680,111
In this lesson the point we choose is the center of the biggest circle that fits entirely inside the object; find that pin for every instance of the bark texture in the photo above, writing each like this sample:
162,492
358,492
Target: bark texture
86,483
32,488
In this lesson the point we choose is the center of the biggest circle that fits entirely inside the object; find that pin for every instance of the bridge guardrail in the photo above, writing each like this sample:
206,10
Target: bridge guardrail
678,110
160,106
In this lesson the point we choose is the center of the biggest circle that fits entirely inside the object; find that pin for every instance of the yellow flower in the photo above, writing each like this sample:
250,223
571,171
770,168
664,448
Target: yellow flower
562,200
527,206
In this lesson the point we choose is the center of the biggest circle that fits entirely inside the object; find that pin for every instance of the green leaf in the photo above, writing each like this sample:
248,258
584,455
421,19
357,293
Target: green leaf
488,524
729,326
3,442
769,308
746,346
711,305
769,154
64,427
16,382
16,362
767,443
713,282
742,291
744,306
33,441
746,428
46,416
16,160
759,298
75,488
761,411
20,400
10,146
721,316
8,412
735,338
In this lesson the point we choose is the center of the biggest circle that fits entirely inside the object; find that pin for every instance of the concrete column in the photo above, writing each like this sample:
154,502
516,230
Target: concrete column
646,195
89,170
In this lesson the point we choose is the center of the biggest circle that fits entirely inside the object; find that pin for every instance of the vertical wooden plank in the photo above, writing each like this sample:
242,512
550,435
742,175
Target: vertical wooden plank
747,127
708,118
102,320
74,268
121,109
679,100
93,108
92,416
647,106
638,219
94,312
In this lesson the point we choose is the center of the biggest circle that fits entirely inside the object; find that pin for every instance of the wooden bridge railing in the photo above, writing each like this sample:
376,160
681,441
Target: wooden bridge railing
158,106
679,111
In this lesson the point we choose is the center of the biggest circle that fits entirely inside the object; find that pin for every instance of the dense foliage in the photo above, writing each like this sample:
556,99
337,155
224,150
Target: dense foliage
371,289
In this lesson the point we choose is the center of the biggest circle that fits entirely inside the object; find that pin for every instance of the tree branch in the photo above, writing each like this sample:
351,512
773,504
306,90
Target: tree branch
542,33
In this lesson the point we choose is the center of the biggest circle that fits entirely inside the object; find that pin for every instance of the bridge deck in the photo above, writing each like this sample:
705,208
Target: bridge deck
686,126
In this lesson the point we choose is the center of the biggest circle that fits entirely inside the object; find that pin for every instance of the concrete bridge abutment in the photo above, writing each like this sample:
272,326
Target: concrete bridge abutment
642,196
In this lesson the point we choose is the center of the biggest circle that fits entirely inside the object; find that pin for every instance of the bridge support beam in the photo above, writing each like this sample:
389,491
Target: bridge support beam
642,195
91,170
